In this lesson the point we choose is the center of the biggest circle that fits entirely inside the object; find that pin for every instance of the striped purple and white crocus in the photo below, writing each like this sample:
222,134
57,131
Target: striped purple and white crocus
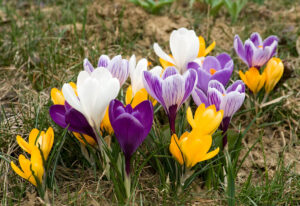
256,52
171,90
229,100
118,67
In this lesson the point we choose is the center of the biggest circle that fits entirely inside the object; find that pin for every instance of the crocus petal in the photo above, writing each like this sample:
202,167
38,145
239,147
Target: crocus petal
170,71
23,144
217,85
144,109
239,48
235,85
270,40
222,76
211,62
103,61
256,39
70,95
173,90
214,97
119,68
88,67
223,59
184,45
249,52
232,102
57,114
153,85
37,164
159,52
203,79
272,49
199,97
57,97
190,79
136,75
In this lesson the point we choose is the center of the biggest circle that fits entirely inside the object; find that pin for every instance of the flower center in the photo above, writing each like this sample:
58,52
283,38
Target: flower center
223,95
212,71
260,46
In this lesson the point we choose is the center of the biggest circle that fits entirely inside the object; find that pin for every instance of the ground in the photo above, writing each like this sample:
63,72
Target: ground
43,44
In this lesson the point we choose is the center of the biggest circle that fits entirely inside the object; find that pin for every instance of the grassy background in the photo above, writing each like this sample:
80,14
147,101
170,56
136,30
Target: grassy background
43,44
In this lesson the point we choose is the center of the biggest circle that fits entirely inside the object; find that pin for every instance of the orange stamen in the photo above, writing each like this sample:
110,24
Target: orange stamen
212,71
260,47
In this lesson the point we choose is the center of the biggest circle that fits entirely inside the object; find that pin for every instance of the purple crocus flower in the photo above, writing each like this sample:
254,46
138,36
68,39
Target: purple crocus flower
131,126
66,116
256,52
229,100
118,67
219,68
171,90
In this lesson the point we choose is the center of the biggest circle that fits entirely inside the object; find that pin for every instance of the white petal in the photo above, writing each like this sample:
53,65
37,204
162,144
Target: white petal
173,90
83,75
232,102
132,64
71,97
156,70
101,74
137,75
159,52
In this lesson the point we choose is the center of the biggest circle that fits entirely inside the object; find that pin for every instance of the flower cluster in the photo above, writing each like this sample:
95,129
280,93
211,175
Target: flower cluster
93,108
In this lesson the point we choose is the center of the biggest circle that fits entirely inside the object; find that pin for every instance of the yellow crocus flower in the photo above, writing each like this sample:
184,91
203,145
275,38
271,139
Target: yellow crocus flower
253,79
42,140
203,51
139,97
30,168
206,120
273,72
192,148
105,124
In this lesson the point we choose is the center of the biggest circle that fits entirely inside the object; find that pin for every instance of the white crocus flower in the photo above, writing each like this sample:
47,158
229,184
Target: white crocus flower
136,73
184,45
95,91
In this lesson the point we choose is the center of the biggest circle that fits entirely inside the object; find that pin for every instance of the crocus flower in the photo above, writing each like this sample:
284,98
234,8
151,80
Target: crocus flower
229,100
203,51
57,96
171,90
253,79
192,148
32,169
67,117
131,126
219,68
206,120
118,67
273,72
136,93
95,91
184,45
256,52
42,140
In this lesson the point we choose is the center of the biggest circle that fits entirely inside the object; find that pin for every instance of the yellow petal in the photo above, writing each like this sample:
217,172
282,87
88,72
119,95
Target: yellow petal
243,77
202,46
211,154
105,124
175,148
165,63
23,144
90,140
210,48
17,170
74,87
25,165
33,136
253,79
47,142
273,73
128,96
57,96
190,118
37,164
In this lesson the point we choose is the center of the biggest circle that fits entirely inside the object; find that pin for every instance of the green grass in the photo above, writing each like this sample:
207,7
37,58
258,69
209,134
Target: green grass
43,44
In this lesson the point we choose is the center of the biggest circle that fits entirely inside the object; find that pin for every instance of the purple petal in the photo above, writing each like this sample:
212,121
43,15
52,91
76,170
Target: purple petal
57,114
78,123
249,52
235,85
145,111
231,103
211,62
88,67
272,49
119,68
217,85
199,97
269,41
260,57
222,76
239,48
256,39
193,65
116,108
203,79
103,61
190,78
153,85
223,58
170,71
214,97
